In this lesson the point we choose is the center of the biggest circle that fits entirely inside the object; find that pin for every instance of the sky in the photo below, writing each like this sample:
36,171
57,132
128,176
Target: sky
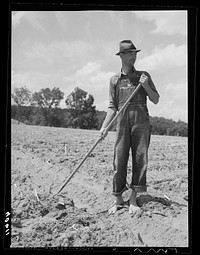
68,49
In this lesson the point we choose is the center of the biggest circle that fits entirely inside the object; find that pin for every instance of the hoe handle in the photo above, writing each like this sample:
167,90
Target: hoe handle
99,139
79,165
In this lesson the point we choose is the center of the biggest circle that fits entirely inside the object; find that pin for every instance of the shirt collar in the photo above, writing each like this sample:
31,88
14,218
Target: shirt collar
122,72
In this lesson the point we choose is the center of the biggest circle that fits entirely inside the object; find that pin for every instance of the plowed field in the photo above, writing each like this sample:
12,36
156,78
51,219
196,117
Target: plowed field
43,157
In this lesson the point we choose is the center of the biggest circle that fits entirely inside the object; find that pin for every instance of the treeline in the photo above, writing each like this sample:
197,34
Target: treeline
162,126
31,115
58,117
41,108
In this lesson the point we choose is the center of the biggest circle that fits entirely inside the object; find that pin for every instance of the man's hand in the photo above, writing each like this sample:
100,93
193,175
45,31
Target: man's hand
152,94
103,132
144,81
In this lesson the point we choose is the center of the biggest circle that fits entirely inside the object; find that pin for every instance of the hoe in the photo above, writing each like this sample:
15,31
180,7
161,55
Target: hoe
99,139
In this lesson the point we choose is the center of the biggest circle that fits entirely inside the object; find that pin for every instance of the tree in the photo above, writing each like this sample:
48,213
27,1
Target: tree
100,116
46,99
37,117
22,97
80,105
164,126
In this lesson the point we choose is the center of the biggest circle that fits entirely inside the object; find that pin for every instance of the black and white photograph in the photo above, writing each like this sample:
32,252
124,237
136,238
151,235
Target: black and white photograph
99,129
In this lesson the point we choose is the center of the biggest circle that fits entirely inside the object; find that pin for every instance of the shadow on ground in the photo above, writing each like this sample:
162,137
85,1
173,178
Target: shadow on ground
143,200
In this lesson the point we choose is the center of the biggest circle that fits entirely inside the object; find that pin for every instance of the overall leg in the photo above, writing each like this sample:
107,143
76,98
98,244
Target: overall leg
139,146
121,155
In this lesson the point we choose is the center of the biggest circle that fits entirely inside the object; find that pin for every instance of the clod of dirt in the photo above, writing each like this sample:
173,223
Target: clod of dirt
84,223
60,206
17,224
61,215
44,212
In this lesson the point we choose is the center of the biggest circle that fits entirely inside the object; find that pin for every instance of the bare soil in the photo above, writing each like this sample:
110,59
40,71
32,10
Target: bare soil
43,157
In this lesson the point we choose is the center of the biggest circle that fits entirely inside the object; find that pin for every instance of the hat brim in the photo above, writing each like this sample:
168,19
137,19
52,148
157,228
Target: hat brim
127,51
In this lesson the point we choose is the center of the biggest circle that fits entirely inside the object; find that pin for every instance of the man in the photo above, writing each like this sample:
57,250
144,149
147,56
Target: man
133,128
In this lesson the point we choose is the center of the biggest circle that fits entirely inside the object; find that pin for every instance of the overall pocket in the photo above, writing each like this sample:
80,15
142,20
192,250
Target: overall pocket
125,90
143,114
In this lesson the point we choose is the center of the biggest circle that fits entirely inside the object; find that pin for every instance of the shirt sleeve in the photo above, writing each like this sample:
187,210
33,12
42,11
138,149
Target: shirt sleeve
112,94
151,84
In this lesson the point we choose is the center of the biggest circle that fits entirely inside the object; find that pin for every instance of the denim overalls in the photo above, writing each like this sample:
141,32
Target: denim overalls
132,132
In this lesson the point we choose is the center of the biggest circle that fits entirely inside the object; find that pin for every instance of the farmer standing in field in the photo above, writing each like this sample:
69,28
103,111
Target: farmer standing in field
133,127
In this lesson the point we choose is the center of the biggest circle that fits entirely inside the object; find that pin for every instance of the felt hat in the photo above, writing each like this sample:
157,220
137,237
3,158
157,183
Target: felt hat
126,46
